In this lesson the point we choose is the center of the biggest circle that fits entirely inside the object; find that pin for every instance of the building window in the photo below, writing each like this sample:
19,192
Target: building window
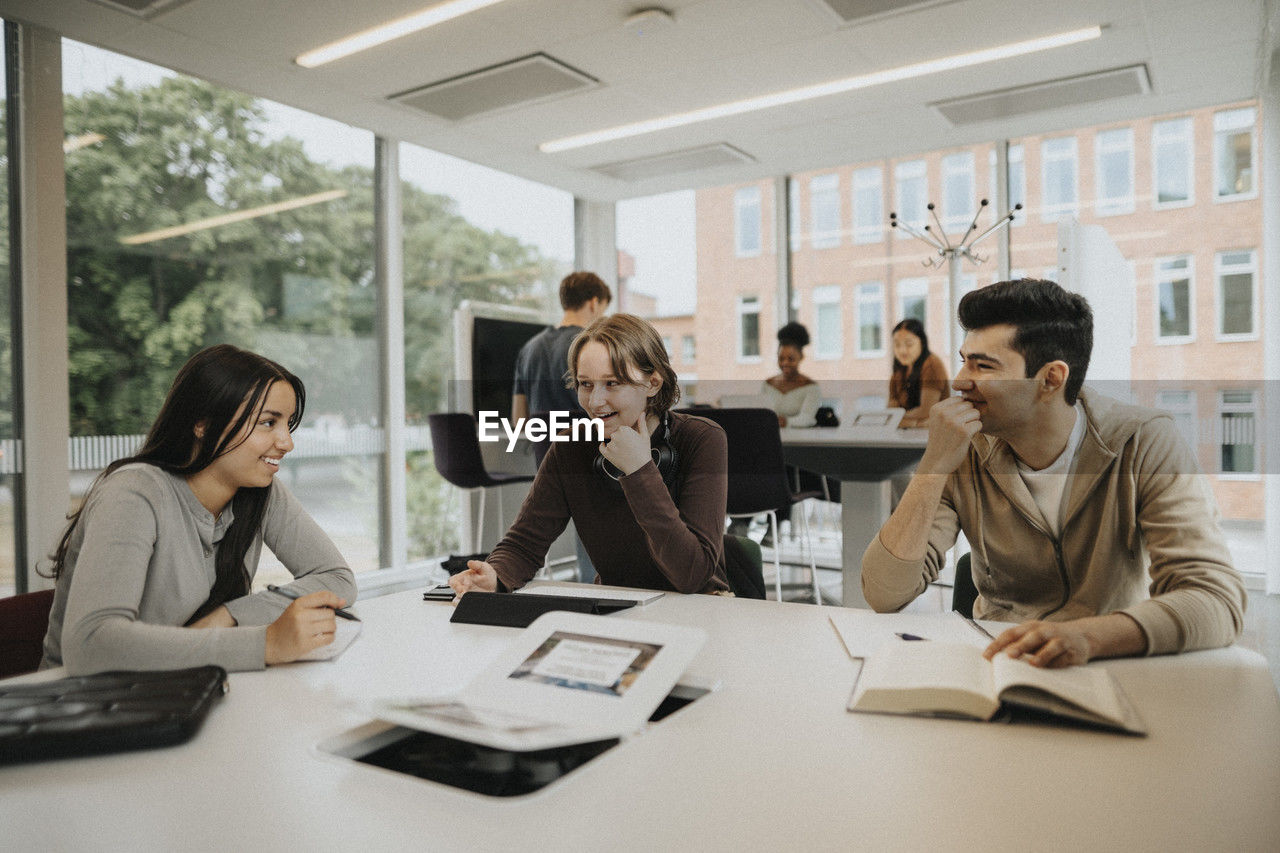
1182,406
1236,273
666,344
824,211
748,328
911,191
688,349
1017,181
1172,149
868,205
957,190
1113,172
1237,422
793,213
1057,177
828,331
913,300
1175,296
1233,154
746,222
870,315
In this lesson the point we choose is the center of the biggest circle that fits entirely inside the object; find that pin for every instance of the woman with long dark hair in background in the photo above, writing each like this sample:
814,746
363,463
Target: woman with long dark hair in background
154,570
919,377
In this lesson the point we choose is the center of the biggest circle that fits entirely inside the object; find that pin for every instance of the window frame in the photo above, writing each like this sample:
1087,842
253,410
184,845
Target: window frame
827,296
899,176
1253,154
1189,130
867,233
743,305
1189,406
865,293
1102,147
1055,212
745,197
1160,277
912,287
1250,408
824,189
1219,270
951,219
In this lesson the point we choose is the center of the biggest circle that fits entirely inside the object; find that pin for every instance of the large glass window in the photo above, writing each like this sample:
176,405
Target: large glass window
1175,319
958,200
868,205
1017,181
828,331
1236,273
9,451
824,211
911,192
198,215
746,222
1113,171
1172,159
1057,177
870,316
913,300
1233,153
657,231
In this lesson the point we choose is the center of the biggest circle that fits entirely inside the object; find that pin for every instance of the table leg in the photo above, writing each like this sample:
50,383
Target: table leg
864,507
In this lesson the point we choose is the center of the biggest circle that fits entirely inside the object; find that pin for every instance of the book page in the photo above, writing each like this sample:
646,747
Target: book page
864,632
1090,688
343,637
926,677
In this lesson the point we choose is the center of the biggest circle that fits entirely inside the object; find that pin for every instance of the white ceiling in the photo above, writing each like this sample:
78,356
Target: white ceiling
1198,53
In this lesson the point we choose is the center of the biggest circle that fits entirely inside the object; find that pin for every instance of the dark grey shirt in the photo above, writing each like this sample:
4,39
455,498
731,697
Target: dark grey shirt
541,367
141,562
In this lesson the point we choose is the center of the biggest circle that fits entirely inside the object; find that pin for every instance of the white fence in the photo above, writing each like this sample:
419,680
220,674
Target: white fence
95,452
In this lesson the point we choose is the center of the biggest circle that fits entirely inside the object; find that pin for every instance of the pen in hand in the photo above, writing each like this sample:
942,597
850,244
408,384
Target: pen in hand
294,594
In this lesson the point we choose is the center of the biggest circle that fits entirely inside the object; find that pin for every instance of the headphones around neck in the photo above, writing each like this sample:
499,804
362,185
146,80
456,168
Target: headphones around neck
664,456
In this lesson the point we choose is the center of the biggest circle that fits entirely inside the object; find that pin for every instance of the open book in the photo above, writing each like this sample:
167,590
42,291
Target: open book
568,678
944,679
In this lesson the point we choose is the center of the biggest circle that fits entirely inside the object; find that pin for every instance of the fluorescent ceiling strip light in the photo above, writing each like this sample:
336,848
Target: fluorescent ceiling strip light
84,140
847,84
228,218
390,31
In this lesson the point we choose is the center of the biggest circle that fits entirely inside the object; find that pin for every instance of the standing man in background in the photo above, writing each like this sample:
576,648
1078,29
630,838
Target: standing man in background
543,364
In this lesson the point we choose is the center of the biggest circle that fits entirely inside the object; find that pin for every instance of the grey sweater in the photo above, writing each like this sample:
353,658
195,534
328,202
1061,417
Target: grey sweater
141,562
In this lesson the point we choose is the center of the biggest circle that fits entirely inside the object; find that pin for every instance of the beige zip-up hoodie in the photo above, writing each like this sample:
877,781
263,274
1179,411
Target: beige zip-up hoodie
1137,504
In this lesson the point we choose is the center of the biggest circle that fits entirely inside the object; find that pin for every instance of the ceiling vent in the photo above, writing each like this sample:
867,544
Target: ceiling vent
675,162
518,83
863,11
1050,95
141,8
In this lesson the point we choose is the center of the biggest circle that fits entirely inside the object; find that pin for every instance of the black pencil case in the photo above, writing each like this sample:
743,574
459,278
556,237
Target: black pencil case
518,611
106,712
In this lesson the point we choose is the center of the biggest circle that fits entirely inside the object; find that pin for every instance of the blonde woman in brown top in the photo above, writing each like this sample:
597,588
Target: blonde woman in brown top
919,377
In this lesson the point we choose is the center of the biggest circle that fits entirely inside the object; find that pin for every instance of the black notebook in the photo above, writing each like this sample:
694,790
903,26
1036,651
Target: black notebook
107,712
519,611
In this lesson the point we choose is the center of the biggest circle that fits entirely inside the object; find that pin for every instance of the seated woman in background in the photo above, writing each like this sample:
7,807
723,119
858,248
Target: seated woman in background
794,396
154,570
919,377
648,502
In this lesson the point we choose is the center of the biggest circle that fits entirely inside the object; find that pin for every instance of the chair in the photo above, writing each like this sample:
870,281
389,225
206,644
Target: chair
744,566
456,452
24,620
758,478
964,593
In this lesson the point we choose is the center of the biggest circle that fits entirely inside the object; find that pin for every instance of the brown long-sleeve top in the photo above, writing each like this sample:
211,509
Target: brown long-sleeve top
641,536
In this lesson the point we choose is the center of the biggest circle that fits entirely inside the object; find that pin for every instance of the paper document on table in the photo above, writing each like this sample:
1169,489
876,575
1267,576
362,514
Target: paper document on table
343,637
590,590
863,632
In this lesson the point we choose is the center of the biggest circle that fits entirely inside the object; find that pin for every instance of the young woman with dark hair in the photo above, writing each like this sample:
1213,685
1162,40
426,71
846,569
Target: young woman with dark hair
919,377
649,502
153,571
792,395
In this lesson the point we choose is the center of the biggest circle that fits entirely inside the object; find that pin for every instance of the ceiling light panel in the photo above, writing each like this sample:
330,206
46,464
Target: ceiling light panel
675,162
390,31
1049,95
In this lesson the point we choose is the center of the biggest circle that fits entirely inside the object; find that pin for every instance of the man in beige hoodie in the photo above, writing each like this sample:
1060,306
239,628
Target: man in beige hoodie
1089,520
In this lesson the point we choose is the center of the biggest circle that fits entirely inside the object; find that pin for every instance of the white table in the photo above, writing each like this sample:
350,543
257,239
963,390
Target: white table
771,761
862,460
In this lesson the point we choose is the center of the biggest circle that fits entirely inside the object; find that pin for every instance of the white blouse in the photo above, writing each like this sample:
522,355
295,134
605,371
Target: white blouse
799,405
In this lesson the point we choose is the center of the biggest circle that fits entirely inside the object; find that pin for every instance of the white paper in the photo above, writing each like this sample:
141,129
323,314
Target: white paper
344,636
862,631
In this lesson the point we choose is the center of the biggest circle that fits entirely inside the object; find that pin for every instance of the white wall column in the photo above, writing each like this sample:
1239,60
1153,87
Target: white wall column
595,240
1269,156
389,252
40,339
782,214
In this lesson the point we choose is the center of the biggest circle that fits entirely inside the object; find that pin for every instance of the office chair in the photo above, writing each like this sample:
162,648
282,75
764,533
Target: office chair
744,566
455,449
24,620
758,478
965,592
